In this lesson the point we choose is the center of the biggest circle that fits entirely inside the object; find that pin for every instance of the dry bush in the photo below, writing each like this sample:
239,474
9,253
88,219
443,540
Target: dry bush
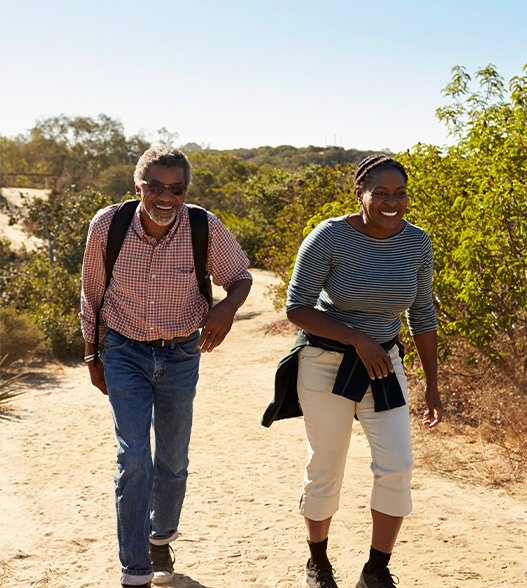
484,431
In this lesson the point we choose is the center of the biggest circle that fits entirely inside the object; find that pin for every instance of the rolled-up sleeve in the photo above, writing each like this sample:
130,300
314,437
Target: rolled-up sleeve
226,262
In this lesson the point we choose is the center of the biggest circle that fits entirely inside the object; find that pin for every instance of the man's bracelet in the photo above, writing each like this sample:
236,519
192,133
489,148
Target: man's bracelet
91,357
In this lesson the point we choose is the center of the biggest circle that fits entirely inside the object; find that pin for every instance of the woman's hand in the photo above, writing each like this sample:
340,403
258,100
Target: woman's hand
373,356
316,322
426,344
434,413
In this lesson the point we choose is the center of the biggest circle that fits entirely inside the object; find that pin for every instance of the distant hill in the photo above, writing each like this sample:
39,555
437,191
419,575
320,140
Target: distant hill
290,157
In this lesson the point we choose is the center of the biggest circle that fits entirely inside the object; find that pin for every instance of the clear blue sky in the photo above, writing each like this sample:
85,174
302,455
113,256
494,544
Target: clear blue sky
241,73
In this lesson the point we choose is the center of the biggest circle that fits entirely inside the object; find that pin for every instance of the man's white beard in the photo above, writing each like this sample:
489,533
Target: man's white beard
161,221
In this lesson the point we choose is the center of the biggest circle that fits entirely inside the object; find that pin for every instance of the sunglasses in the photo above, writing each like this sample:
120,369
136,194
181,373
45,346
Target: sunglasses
156,188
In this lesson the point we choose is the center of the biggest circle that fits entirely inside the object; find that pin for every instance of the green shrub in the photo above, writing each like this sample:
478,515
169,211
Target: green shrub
248,234
62,330
471,198
50,295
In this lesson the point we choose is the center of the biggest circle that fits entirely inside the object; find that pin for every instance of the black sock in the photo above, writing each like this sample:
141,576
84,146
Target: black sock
319,553
378,560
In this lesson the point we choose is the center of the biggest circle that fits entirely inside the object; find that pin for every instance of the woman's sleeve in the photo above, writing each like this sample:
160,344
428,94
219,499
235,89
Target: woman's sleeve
312,266
421,315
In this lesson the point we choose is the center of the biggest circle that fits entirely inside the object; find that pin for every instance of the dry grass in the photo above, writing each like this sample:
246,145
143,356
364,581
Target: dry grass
483,437
282,327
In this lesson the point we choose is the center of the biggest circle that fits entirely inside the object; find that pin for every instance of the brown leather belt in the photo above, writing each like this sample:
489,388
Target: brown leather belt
166,342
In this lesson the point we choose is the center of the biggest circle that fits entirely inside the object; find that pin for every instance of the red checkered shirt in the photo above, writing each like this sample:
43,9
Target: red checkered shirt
154,292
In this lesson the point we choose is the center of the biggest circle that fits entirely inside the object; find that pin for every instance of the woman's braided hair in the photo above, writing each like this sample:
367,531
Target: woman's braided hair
374,163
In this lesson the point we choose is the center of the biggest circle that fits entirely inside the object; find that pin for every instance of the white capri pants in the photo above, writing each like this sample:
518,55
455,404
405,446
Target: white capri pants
328,420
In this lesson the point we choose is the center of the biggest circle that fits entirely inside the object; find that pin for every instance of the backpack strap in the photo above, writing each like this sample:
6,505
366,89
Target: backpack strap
121,220
199,225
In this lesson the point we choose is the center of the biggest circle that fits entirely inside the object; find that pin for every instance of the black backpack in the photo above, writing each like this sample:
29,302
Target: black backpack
199,226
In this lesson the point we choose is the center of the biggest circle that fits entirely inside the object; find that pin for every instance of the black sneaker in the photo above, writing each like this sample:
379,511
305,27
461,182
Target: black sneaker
380,578
316,577
147,585
162,558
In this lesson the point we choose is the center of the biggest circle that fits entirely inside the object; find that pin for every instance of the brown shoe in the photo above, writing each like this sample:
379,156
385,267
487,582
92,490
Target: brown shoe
162,558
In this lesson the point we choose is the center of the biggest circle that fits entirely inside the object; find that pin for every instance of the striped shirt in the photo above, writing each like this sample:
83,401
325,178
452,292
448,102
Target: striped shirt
154,292
366,282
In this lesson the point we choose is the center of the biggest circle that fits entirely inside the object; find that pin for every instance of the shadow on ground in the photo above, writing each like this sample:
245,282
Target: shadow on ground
182,581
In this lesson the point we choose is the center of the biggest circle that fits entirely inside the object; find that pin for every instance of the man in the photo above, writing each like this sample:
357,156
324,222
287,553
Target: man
152,311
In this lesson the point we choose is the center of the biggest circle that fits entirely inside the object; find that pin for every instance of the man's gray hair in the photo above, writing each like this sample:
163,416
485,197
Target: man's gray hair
166,156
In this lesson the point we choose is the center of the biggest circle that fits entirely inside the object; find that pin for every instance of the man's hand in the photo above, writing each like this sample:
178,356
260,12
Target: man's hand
97,376
218,321
96,371
216,324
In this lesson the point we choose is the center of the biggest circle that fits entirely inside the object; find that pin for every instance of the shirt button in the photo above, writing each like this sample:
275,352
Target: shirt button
153,275
152,302
151,328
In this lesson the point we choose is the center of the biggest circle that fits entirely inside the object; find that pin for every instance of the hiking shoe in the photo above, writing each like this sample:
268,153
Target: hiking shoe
380,578
162,558
316,577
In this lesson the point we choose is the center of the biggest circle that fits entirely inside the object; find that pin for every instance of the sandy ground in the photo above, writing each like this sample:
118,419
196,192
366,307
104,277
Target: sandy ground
14,232
240,525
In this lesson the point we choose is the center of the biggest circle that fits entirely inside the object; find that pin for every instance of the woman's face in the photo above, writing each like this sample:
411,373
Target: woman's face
384,201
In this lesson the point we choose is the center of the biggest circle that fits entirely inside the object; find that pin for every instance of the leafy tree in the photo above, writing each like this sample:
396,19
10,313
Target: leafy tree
280,204
166,137
218,179
76,151
291,157
62,222
471,198
191,147
117,181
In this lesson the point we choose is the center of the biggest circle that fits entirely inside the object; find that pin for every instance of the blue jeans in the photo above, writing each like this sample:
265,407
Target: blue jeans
149,387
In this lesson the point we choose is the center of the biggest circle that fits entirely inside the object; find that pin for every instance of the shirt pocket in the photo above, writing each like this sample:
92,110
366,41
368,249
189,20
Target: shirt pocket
317,369
178,287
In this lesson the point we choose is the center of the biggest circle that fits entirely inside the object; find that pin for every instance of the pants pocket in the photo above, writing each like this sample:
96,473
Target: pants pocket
317,369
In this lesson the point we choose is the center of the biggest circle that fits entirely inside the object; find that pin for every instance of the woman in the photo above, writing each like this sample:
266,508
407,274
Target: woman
353,277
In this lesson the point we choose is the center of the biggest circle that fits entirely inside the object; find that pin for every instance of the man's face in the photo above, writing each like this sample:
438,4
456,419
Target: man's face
160,209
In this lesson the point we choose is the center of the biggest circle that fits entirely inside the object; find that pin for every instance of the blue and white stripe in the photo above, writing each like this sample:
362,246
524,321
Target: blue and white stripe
366,282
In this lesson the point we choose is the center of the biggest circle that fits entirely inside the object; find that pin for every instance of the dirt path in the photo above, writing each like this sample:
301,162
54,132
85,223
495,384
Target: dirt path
240,525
